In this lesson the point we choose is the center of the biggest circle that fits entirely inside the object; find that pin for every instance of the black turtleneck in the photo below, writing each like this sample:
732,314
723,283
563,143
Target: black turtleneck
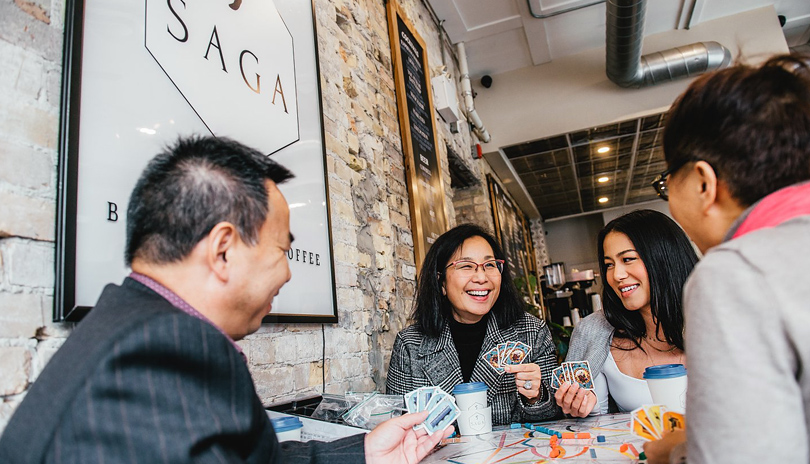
468,339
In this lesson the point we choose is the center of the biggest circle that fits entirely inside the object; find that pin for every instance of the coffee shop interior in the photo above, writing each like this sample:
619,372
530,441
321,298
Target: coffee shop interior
532,130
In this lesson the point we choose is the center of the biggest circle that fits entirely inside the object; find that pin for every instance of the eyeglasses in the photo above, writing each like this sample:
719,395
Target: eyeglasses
468,268
660,183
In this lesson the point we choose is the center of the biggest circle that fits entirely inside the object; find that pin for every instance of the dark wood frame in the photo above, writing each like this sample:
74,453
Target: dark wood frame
423,231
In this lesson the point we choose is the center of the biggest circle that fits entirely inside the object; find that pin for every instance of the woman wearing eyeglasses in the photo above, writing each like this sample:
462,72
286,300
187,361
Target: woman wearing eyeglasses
644,259
466,304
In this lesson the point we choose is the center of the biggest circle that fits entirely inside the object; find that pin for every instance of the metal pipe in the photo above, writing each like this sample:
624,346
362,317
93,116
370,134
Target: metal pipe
627,68
557,13
466,93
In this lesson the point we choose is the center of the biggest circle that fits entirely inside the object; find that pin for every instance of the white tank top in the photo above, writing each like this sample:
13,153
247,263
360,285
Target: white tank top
628,392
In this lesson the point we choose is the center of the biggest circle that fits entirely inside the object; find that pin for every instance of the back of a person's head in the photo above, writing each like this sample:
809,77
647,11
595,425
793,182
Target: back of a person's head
189,188
751,124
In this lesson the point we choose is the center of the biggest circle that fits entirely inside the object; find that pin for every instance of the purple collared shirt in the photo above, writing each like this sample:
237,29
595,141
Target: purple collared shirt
181,304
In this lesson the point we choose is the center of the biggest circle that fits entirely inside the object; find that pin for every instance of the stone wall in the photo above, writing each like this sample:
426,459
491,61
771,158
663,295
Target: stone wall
373,242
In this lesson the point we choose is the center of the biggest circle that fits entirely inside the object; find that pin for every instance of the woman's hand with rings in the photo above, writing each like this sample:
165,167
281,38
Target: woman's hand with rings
528,379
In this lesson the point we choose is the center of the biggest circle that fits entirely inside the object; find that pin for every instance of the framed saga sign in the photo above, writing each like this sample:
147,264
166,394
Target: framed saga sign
139,74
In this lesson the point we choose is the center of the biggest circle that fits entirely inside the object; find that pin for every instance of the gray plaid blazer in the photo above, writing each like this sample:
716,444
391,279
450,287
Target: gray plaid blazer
418,360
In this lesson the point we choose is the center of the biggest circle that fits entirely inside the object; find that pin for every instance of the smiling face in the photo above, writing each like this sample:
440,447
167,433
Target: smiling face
473,296
626,273
263,268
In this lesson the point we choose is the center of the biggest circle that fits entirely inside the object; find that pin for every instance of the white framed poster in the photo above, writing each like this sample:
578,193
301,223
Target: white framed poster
138,75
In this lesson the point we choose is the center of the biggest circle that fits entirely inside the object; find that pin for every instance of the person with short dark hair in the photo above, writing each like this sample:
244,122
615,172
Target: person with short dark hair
153,373
644,260
737,146
466,304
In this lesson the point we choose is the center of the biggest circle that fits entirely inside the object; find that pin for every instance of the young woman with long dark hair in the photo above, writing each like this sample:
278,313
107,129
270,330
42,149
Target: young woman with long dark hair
644,258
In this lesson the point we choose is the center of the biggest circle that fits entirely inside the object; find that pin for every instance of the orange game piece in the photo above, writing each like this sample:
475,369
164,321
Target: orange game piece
568,434
553,440
623,448
555,452
583,435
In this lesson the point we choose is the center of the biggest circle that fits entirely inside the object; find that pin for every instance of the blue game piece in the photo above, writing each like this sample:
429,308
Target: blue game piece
600,438
514,426
593,453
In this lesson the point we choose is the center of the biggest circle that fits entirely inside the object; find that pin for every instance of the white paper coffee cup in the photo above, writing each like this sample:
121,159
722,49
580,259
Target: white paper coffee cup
475,421
667,384
287,428
470,396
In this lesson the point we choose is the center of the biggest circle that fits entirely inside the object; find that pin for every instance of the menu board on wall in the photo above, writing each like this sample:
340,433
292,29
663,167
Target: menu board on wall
511,231
140,74
417,124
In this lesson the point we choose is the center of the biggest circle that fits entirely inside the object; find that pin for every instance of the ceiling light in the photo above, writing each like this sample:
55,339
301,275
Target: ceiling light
603,199
603,179
603,149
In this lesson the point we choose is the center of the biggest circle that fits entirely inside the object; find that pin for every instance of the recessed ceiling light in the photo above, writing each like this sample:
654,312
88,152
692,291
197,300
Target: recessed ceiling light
603,199
603,149
603,179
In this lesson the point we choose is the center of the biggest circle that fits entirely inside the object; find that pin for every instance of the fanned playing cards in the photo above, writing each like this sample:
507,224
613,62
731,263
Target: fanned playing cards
650,422
507,353
573,372
441,407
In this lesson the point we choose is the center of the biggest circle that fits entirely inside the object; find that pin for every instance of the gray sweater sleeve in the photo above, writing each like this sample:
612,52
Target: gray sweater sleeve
741,367
590,342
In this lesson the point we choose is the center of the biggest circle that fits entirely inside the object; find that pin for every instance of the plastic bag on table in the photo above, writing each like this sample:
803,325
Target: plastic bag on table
332,407
375,409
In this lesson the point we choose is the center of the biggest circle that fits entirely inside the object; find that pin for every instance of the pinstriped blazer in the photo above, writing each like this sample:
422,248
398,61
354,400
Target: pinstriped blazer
139,381
418,360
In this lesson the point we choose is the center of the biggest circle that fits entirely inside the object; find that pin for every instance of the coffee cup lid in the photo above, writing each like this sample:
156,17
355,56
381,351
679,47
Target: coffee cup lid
471,387
283,424
665,371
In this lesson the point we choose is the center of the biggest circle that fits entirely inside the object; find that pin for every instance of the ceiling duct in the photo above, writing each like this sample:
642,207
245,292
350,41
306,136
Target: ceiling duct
627,68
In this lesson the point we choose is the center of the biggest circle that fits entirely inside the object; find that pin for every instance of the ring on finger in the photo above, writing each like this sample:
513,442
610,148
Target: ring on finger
527,385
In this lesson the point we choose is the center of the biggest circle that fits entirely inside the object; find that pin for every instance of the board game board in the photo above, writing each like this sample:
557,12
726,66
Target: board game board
514,446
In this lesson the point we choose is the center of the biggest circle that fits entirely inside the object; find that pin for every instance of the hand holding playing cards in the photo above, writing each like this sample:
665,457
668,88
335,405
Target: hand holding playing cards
526,375
395,441
575,400
658,451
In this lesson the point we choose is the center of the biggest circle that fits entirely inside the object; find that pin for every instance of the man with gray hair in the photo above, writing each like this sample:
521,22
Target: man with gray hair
153,373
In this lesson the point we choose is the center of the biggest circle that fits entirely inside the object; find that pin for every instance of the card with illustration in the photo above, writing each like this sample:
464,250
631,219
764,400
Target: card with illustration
654,412
410,401
443,413
640,415
581,374
673,421
638,429
507,353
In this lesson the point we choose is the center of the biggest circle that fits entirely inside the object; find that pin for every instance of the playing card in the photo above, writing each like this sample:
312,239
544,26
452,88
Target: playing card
425,393
566,373
441,415
518,353
556,374
581,374
640,415
491,357
437,398
654,412
638,429
410,401
501,349
555,381
672,421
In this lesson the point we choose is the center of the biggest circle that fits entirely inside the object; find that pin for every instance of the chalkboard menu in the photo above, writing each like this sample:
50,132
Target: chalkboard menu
417,123
512,231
